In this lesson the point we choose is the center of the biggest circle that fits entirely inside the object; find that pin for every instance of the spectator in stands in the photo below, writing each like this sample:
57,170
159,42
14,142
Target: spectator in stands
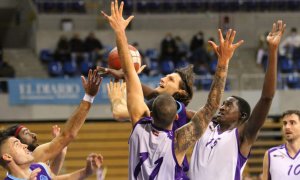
62,51
77,49
168,48
262,52
6,71
94,48
197,41
51,150
282,162
19,162
182,48
290,44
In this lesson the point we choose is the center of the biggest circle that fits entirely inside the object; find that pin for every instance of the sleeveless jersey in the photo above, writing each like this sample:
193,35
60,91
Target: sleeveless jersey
42,175
151,153
217,156
282,165
181,121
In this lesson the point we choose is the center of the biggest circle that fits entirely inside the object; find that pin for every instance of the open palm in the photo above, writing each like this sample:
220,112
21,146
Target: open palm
275,35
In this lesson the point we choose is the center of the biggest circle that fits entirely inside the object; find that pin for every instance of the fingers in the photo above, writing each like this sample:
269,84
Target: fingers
105,15
141,69
34,174
228,34
121,8
129,19
221,39
116,9
83,80
232,36
273,28
112,8
238,44
283,29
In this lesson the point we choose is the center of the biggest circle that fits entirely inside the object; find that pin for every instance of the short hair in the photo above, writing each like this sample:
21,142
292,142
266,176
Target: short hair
290,112
164,110
244,107
187,82
11,130
3,139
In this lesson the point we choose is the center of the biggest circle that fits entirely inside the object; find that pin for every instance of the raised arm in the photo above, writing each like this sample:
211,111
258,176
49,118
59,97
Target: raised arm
117,95
48,151
191,132
57,163
265,175
135,98
94,162
249,130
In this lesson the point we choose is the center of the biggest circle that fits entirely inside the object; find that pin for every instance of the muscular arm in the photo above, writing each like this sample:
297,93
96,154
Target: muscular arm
48,151
148,92
135,98
248,131
58,162
186,136
266,167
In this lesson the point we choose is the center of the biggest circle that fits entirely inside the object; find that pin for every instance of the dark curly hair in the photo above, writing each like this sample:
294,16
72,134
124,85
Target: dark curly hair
187,81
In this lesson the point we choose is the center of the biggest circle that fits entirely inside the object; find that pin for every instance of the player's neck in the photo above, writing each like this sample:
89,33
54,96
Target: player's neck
22,172
293,147
226,127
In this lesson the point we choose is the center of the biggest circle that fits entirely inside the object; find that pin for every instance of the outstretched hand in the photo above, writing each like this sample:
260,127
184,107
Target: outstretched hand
117,74
275,35
226,48
93,162
116,20
92,85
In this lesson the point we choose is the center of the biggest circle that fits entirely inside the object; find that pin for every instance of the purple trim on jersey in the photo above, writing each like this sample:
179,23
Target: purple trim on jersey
269,158
43,175
289,154
240,160
169,132
182,117
179,172
144,120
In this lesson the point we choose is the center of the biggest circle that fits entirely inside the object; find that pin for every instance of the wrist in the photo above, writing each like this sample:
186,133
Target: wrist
88,98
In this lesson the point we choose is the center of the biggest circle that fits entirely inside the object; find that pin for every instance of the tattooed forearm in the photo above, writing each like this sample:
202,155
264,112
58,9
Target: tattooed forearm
186,136
216,92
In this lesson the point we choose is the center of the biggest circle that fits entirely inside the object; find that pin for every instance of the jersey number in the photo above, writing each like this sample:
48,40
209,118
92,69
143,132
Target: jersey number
143,157
296,170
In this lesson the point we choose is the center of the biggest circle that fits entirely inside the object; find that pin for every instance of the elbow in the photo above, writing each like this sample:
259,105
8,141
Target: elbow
68,136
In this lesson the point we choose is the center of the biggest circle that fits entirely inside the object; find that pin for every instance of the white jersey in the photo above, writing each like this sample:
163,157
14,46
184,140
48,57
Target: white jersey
282,165
151,153
216,156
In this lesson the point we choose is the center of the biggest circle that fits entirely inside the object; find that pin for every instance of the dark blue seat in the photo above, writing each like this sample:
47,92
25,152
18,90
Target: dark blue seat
85,66
70,68
152,54
213,66
293,81
286,65
55,69
46,55
167,67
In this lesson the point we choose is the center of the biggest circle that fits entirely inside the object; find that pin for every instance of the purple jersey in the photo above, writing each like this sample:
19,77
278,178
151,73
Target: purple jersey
181,121
151,153
43,175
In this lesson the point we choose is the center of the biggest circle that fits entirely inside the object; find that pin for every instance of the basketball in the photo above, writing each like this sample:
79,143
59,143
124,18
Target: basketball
114,60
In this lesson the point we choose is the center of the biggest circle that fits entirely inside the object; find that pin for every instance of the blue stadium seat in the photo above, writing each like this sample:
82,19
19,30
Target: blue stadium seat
206,83
154,68
152,54
286,65
181,63
70,68
55,69
167,67
293,81
46,55
85,66
213,66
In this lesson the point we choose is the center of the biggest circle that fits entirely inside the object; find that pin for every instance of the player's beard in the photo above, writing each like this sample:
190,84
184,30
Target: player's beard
31,147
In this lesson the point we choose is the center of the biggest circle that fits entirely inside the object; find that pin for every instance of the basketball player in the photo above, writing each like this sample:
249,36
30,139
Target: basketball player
18,161
223,149
283,162
155,151
51,150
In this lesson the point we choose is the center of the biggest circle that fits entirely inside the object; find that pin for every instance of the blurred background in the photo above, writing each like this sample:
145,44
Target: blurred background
45,45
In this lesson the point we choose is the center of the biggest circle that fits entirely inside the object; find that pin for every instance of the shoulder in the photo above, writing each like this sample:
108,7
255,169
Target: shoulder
276,148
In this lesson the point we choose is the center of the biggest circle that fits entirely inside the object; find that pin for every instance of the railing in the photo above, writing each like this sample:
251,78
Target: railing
163,6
